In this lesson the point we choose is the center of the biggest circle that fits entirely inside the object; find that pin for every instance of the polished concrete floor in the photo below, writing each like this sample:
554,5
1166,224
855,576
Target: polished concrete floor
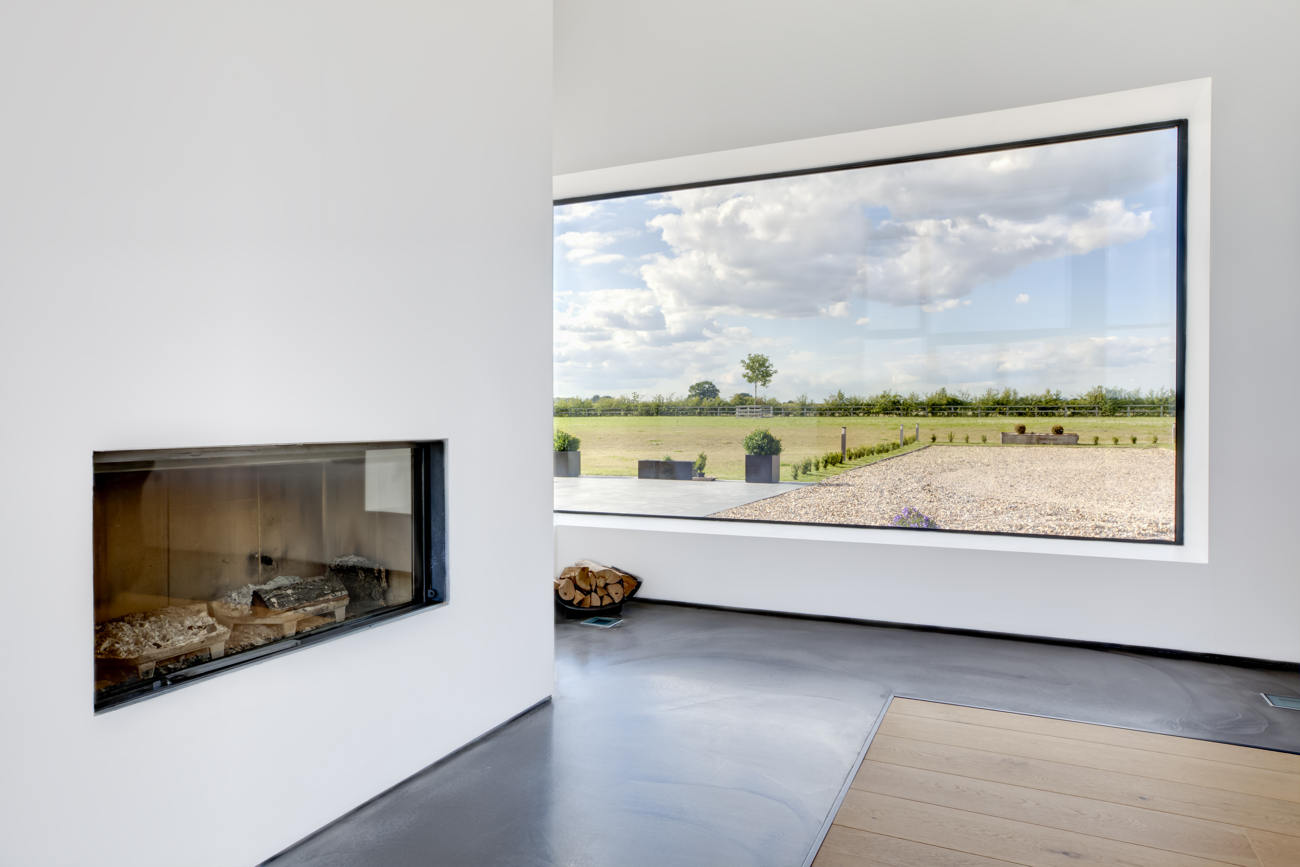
622,495
698,737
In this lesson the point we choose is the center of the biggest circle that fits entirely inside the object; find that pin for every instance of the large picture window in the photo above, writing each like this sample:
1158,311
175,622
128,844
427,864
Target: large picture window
988,340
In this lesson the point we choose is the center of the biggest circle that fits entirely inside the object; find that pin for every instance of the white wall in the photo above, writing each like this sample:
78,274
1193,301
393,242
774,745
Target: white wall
252,222
637,83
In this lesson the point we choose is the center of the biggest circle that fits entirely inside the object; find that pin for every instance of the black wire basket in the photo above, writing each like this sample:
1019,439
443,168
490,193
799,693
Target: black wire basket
574,612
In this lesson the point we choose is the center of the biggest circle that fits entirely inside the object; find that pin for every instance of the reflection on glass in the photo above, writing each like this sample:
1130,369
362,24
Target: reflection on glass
206,554
923,329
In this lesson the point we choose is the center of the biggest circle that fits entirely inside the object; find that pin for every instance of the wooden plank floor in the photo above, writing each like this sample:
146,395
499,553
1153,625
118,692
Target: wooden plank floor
943,784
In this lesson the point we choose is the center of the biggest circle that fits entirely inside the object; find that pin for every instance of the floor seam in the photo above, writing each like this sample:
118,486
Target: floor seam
1057,827
1104,743
935,845
1218,822
1092,768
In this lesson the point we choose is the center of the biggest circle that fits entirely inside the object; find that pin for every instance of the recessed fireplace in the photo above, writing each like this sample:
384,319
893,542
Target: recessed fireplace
206,559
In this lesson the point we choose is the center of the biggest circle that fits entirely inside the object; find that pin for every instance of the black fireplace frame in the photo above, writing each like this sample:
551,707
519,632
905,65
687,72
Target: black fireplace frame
428,564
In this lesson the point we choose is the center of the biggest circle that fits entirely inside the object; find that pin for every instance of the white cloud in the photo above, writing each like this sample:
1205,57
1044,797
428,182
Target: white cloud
623,340
1008,162
591,257
585,247
608,310
947,304
927,260
798,247
921,235
1089,353
576,211
587,239
1109,222
1073,364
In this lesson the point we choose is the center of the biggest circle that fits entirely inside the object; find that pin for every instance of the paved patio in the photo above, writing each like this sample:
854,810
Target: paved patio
628,496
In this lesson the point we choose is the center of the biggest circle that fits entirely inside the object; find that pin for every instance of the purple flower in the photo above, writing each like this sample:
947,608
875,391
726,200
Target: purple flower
915,519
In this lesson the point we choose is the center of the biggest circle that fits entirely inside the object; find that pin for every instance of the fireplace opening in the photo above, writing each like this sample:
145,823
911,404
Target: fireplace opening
206,559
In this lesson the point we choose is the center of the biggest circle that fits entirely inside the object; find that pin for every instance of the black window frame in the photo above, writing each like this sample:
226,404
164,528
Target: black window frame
1180,302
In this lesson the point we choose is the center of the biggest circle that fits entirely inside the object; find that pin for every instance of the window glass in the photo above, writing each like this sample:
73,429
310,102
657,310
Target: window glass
982,342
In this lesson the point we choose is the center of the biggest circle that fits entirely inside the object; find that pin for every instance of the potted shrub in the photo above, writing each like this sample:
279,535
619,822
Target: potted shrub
666,469
762,457
568,460
1058,437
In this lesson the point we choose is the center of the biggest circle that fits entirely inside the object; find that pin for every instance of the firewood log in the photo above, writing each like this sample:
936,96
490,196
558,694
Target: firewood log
611,575
300,593
606,600
576,573
600,578
565,590
579,575
580,600
615,592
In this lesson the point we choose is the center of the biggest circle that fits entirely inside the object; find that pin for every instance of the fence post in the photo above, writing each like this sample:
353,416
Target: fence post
918,431
844,442
900,434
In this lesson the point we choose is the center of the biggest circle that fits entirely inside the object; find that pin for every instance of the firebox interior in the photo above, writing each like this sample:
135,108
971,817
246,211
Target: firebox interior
204,555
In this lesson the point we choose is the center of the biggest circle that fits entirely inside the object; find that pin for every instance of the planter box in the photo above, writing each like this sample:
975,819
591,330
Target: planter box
1033,439
568,464
672,470
762,468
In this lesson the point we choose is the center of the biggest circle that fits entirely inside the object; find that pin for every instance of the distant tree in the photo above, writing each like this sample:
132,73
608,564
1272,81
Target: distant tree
704,390
758,370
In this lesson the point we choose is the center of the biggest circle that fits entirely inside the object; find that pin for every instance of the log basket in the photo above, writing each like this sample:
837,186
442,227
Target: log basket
577,612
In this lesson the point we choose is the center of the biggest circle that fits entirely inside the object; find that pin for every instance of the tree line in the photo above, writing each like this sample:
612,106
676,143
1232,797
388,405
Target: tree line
705,394
758,370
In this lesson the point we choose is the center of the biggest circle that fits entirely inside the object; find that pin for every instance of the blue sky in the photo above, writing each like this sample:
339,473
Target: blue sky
1045,267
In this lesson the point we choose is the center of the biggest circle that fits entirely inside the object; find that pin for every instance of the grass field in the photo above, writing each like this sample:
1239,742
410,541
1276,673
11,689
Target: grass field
611,446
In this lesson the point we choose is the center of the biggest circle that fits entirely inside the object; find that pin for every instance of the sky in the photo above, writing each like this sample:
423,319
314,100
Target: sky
1051,267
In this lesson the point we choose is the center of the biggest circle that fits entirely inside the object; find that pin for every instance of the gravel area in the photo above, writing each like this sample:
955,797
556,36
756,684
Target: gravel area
1108,493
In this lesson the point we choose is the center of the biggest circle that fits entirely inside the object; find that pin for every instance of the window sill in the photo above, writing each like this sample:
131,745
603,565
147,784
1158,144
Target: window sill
1149,551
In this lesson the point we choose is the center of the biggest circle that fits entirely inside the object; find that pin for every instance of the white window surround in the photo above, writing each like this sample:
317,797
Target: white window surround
1189,100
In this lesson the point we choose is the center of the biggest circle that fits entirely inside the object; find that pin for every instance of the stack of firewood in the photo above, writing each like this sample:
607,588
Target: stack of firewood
587,584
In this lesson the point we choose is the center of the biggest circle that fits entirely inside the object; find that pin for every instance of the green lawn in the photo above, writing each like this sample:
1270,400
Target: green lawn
611,446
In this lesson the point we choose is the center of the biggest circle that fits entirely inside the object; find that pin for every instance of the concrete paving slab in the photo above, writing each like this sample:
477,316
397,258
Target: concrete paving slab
624,495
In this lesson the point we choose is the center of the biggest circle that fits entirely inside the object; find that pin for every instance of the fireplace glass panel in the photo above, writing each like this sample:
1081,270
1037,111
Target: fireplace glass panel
207,556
